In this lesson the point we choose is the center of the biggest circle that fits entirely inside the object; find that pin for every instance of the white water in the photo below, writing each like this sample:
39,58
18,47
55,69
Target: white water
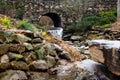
57,32
108,43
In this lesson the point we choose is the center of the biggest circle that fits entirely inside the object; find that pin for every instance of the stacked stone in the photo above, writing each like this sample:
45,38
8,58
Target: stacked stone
24,51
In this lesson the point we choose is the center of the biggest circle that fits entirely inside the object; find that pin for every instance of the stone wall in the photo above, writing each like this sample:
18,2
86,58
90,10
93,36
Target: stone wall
34,9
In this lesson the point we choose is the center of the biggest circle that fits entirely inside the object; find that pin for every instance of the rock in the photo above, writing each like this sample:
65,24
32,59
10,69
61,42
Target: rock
37,40
4,66
4,59
29,57
19,48
9,36
75,38
22,38
38,76
2,38
28,46
19,65
96,54
3,48
39,65
15,56
37,46
108,54
50,61
62,62
13,75
66,55
57,48
86,52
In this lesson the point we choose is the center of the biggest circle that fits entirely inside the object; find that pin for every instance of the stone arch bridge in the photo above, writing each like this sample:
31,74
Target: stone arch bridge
35,9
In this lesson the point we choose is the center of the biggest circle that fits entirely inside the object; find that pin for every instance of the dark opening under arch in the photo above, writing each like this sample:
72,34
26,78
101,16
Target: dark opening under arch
56,19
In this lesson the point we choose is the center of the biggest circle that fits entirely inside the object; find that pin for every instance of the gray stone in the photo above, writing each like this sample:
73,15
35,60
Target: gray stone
19,65
37,40
2,38
9,36
75,38
15,56
28,46
19,48
13,75
22,38
50,61
39,76
37,46
66,55
39,65
3,48
4,66
29,57
86,52
4,59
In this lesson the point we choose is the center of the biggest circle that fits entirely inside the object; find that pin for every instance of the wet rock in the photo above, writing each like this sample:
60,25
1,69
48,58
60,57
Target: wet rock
13,75
38,76
28,46
19,65
14,56
19,48
3,48
39,65
37,40
50,61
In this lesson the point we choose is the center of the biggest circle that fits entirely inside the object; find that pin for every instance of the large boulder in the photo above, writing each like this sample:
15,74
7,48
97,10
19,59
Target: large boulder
107,52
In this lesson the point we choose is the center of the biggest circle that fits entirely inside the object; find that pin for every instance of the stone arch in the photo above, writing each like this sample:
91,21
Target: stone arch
55,18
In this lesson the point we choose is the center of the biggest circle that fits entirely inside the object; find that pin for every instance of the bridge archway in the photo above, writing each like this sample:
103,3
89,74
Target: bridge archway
55,18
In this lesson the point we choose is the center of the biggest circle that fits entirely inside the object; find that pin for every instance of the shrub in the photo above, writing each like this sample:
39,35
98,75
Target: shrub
5,21
23,24
107,17
85,23
104,19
